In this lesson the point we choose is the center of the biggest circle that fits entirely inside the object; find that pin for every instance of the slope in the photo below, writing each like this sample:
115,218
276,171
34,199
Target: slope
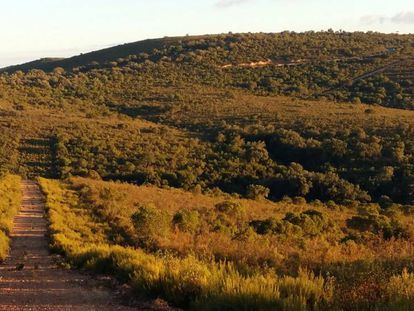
100,56
234,49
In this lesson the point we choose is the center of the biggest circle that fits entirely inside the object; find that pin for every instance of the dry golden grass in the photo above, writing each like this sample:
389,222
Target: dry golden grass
361,270
172,200
255,249
236,105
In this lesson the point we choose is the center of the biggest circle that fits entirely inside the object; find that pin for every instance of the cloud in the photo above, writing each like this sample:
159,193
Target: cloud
373,19
229,3
406,17
403,18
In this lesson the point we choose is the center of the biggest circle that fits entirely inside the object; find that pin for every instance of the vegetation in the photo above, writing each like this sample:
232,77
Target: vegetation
89,238
338,65
145,231
284,160
9,204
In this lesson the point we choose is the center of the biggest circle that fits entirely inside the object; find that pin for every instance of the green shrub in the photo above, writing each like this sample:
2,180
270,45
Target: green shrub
377,224
287,227
187,220
263,226
150,224
369,209
257,192
299,200
231,208
312,222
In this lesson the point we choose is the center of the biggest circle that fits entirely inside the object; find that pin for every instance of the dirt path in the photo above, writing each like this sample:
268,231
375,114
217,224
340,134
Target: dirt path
364,76
374,72
30,278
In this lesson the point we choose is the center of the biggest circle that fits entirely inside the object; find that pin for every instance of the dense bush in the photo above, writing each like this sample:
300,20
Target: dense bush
308,223
150,224
182,84
377,224
187,220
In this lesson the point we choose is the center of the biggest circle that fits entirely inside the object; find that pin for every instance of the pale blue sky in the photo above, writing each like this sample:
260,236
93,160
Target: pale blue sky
30,29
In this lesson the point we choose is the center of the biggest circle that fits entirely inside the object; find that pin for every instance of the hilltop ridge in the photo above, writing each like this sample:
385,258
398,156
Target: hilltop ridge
237,48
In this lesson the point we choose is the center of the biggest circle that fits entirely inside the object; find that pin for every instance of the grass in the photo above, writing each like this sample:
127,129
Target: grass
185,281
108,227
10,201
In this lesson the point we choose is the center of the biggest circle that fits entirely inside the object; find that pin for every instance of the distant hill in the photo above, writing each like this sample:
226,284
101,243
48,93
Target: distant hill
227,50
370,67
38,64
100,56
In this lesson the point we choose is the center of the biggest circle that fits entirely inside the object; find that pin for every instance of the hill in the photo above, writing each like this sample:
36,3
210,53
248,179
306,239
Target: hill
101,56
252,170
37,64
339,66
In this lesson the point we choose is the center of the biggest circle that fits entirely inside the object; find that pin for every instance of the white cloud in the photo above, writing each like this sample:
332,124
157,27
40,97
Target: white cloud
229,3
403,18
373,19
406,17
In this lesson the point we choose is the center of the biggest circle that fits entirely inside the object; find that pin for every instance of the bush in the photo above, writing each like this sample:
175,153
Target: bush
377,224
231,208
263,226
150,224
4,245
299,200
401,286
257,192
187,220
311,222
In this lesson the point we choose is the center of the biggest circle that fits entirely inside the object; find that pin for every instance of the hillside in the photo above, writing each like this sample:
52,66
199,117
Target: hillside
317,65
101,56
126,120
241,48
37,64
250,170
157,237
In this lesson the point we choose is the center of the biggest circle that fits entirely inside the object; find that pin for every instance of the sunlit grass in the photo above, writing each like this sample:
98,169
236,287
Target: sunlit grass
10,200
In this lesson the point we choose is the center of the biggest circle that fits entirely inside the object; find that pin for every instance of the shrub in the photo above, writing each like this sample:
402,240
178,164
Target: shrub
401,287
299,200
187,220
263,226
4,245
368,209
257,192
231,208
377,224
289,226
150,224
311,222
186,282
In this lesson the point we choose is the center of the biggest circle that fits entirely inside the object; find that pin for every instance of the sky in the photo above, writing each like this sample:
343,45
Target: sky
31,29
